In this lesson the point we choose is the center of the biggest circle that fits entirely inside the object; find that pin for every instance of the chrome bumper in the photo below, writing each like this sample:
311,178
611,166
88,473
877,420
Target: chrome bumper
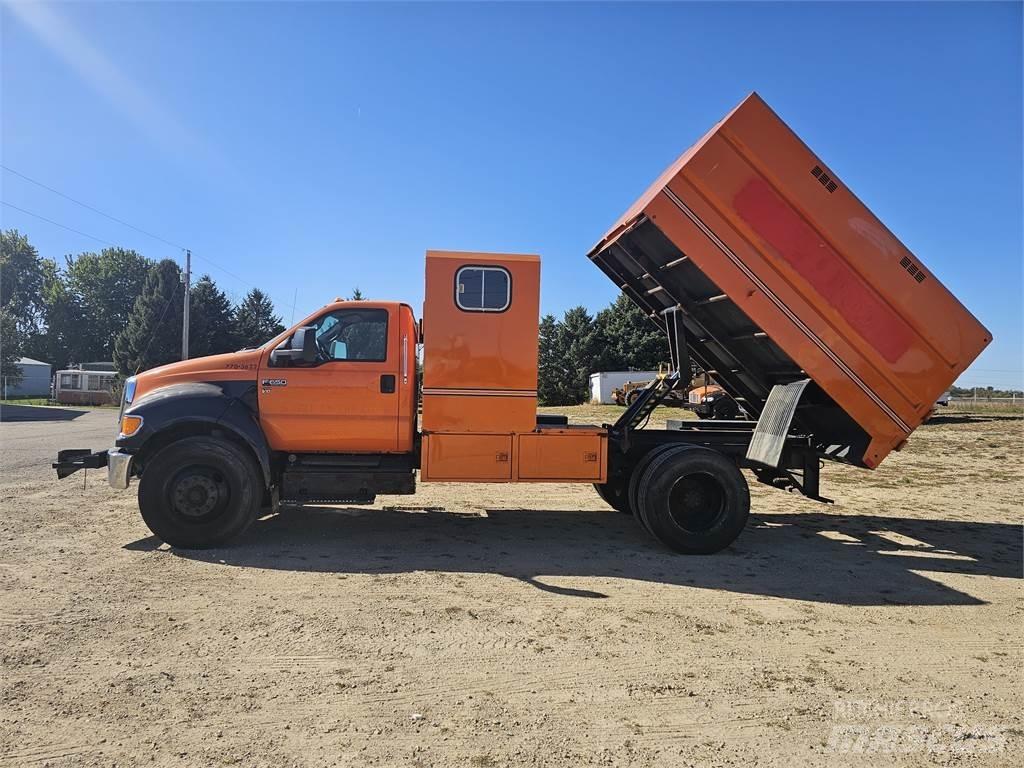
119,466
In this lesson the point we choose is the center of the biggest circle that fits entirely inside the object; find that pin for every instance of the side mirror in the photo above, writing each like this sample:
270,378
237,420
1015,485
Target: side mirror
304,344
301,347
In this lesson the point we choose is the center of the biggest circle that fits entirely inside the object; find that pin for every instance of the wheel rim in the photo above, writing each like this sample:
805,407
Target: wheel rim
697,502
199,494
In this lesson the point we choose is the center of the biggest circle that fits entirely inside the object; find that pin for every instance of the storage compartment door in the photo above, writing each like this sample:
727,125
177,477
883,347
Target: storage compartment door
467,457
559,456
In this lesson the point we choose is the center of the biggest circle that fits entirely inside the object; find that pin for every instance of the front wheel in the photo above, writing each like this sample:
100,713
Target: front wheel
199,492
694,500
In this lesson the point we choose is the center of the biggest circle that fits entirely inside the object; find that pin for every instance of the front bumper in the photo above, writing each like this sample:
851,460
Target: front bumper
118,464
119,469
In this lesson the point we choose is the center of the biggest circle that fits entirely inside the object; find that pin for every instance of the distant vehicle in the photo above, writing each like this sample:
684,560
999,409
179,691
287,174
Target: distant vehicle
628,393
710,401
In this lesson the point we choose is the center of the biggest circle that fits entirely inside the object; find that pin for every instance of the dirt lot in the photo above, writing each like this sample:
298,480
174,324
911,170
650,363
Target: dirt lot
503,625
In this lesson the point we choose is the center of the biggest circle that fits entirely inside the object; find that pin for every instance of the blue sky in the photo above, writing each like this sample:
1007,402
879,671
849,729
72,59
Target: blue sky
310,148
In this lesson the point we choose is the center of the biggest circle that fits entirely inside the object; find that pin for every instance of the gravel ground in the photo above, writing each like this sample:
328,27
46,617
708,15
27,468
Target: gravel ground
488,625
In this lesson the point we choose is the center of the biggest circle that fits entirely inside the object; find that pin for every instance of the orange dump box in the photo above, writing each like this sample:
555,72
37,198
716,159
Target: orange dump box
781,276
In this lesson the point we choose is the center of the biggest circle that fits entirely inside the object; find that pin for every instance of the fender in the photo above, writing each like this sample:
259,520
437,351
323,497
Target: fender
226,405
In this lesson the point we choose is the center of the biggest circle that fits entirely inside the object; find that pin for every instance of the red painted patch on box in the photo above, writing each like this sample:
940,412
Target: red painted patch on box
821,266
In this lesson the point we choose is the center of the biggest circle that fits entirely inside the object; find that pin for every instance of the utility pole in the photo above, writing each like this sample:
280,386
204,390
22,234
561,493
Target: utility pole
186,278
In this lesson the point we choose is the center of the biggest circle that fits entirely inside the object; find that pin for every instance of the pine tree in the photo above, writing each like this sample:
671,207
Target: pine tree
255,321
211,320
628,340
153,334
550,373
581,350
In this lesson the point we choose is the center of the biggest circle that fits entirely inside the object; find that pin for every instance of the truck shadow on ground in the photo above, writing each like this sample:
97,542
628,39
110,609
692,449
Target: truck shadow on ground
38,413
971,418
828,558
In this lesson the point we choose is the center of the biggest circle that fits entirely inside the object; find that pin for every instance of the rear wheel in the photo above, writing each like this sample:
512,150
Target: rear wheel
199,492
632,396
694,500
634,480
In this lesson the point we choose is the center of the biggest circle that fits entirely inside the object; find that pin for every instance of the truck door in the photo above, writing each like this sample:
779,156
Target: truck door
347,400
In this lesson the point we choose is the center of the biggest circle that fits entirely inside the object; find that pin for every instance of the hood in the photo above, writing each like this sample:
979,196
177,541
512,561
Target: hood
233,366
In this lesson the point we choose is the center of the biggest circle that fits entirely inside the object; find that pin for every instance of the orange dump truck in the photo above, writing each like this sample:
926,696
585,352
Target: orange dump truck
749,252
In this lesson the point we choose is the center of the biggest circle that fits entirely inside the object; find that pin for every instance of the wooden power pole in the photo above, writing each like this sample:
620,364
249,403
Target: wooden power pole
184,316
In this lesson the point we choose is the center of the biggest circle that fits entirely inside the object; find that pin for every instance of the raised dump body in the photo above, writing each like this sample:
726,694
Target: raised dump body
782,274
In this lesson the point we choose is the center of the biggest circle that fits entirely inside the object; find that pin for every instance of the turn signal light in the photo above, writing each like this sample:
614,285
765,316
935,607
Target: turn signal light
130,425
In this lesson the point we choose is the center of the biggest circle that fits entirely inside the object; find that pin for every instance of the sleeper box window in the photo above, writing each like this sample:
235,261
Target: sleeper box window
483,289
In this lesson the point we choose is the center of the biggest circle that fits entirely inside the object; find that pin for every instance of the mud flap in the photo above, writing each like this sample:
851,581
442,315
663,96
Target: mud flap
773,426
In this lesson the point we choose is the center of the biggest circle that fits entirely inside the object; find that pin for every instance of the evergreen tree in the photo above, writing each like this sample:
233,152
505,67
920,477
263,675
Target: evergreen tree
628,339
211,320
357,295
567,353
581,348
152,336
549,362
255,321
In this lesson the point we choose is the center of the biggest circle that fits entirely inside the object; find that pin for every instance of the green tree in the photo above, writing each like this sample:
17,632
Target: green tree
21,304
567,354
152,335
64,336
255,321
629,340
105,286
357,295
550,373
582,348
211,320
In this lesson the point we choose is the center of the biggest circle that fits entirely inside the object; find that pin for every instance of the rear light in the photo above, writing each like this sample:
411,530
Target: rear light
130,425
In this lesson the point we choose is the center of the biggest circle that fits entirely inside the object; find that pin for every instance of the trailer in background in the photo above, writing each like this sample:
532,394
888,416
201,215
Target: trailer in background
82,387
603,385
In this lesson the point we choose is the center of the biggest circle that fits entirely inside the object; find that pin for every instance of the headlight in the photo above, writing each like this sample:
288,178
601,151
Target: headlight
129,390
709,399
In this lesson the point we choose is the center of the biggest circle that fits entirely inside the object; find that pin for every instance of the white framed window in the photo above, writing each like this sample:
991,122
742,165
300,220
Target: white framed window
483,289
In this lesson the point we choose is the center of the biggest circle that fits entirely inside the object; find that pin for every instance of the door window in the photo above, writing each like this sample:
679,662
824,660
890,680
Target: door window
358,335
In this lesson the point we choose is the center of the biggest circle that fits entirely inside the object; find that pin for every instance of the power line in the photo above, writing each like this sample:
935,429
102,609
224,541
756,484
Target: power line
91,208
58,224
122,222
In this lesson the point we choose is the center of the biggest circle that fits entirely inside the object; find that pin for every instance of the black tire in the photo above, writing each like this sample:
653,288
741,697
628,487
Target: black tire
634,481
199,492
632,396
694,500
615,495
